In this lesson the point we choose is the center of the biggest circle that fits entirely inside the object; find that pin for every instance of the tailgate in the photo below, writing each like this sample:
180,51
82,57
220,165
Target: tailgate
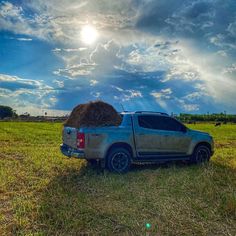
69,136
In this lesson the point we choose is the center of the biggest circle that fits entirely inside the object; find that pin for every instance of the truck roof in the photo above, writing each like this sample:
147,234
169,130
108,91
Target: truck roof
144,112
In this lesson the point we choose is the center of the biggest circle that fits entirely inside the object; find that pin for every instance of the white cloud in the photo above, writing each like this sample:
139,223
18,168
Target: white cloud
221,41
95,94
182,69
93,82
194,96
61,21
152,56
187,107
231,69
8,10
17,92
69,49
130,94
167,100
74,71
74,49
163,93
14,82
106,55
56,50
117,88
126,94
24,39
162,97
221,53
103,59
217,85
135,93
13,19
60,84
232,29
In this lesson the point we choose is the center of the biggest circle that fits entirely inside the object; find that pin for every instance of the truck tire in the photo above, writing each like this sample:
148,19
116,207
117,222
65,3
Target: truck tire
200,155
119,160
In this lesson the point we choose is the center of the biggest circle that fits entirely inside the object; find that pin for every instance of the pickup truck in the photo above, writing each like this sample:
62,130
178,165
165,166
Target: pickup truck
141,137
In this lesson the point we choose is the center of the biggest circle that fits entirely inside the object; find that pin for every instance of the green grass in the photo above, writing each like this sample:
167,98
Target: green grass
44,193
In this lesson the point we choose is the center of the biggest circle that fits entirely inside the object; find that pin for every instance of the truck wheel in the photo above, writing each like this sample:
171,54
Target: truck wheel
119,160
201,155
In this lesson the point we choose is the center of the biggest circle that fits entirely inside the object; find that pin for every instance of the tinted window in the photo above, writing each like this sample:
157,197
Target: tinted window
160,123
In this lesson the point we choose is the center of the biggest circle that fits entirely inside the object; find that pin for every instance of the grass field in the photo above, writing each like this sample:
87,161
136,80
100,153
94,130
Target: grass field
44,193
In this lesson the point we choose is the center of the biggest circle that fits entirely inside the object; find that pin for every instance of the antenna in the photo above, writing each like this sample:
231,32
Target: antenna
122,107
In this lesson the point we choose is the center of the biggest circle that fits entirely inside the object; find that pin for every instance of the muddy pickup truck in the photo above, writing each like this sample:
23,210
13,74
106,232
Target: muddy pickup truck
141,137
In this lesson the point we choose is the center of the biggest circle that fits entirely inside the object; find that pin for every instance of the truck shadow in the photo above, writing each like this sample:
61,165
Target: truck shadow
139,167
73,204
154,166
79,201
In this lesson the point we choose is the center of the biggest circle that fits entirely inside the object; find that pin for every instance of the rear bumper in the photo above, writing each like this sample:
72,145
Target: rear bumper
71,152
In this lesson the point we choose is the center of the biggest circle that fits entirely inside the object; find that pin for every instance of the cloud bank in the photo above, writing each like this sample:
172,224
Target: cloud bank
175,56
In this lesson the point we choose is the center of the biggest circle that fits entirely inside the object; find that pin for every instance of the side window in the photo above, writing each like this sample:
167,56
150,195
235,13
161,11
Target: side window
172,124
159,123
150,121
145,122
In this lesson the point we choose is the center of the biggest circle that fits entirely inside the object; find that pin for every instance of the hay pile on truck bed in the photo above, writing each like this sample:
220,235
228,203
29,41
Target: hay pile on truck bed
92,114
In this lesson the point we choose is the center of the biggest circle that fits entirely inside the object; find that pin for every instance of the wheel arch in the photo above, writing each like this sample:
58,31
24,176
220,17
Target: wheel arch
119,145
203,143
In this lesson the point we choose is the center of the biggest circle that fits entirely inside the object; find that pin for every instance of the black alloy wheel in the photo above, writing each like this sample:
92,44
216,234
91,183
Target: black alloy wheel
119,160
201,155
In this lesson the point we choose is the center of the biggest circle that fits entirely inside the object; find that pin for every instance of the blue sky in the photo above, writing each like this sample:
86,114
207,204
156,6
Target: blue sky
173,56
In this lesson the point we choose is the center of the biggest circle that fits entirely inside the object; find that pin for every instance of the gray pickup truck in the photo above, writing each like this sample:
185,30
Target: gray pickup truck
141,137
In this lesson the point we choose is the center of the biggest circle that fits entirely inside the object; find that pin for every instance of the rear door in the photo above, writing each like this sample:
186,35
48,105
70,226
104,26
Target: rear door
147,139
160,135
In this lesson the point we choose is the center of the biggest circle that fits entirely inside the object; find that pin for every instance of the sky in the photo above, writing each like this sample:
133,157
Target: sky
155,55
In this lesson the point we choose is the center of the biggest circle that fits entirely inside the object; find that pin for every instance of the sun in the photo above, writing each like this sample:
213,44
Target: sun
88,34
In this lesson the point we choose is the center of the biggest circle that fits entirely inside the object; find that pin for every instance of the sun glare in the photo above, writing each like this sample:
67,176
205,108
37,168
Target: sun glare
89,34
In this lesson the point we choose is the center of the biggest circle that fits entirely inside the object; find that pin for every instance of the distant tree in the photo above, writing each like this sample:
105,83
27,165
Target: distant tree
221,117
26,114
6,111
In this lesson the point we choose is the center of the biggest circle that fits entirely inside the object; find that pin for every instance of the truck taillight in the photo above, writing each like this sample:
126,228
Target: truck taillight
80,140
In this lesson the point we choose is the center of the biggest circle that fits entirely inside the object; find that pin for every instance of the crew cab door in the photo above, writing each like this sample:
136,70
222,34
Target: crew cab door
160,135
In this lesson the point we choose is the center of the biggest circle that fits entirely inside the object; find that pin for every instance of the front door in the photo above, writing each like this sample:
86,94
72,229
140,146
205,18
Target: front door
160,135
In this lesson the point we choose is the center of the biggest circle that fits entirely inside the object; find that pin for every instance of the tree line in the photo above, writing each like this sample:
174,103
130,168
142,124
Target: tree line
6,111
215,117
